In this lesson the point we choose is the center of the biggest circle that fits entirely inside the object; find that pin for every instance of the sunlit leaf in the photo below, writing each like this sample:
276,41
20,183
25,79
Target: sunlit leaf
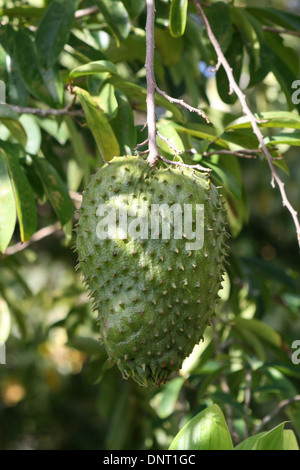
7,206
24,197
99,125
206,431
92,68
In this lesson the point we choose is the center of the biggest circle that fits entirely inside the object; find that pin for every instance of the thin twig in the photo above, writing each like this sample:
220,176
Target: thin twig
141,144
183,104
172,147
248,377
242,98
39,235
281,31
197,167
274,412
46,112
86,11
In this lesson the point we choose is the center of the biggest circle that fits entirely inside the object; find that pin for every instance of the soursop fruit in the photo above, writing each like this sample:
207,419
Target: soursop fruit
155,287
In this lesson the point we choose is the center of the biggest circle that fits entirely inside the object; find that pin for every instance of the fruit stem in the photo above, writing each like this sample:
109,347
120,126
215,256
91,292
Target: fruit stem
153,156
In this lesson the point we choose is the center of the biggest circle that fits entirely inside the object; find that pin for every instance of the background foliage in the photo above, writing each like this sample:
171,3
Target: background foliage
83,77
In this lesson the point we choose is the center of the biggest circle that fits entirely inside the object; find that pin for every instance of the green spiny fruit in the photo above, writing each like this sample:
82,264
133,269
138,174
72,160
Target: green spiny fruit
154,295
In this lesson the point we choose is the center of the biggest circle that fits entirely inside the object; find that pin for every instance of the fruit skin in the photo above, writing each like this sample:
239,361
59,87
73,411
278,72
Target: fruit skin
154,298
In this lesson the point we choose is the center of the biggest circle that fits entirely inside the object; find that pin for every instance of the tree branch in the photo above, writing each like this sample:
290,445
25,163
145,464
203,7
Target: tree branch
46,112
274,412
183,104
234,86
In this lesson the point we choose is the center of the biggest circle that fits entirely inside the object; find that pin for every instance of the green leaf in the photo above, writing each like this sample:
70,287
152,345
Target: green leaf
116,16
98,66
166,128
16,90
108,101
292,138
206,431
280,17
140,93
166,400
134,7
249,443
269,119
123,124
55,189
7,206
5,320
177,19
87,345
220,22
33,132
24,198
226,178
169,47
289,440
10,119
264,331
53,30
99,125
248,34
44,84
271,440
234,56
22,11
202,131
79,148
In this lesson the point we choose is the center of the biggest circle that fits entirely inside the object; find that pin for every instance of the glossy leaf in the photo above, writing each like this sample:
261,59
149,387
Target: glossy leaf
53,30
206,431
289,440
24,197
99,125
7,206
166,128
5,320
33,132
272,440
108,101
55,189
292,138
92,68
178,13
